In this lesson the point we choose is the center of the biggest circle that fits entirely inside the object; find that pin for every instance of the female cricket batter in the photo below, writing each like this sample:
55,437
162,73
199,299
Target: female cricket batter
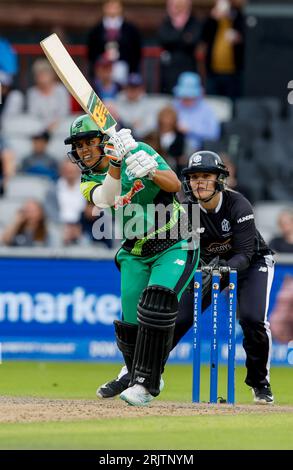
155,266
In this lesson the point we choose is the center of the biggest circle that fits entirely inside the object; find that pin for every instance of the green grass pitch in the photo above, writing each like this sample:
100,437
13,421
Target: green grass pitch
261,430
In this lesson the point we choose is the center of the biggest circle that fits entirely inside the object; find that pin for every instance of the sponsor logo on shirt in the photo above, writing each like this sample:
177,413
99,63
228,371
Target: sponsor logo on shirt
219,248
245,218
126,199
226,226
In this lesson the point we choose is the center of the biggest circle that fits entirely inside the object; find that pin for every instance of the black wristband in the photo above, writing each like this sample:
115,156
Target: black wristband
115,163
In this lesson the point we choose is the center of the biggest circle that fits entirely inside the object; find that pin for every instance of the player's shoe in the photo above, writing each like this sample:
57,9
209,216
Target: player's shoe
263,395
114,387
138,395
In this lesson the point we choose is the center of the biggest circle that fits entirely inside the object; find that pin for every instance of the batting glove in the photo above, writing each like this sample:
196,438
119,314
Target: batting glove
141,164
120,144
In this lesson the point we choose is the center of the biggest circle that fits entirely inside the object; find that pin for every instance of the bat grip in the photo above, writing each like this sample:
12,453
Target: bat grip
111,132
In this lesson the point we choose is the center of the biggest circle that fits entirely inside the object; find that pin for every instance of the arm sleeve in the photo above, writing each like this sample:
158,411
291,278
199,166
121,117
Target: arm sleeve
101,194
244,232
238,262
104,194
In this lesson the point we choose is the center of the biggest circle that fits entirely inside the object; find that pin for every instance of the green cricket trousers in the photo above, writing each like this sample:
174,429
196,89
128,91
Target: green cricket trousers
172,268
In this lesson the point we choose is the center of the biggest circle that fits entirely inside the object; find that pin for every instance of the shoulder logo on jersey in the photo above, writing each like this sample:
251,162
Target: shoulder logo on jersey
126,199
226,226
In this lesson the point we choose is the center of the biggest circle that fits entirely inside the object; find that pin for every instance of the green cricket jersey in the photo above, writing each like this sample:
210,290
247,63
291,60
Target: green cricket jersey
147,227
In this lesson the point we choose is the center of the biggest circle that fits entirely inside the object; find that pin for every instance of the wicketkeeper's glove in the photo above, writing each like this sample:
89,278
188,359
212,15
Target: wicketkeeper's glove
207,274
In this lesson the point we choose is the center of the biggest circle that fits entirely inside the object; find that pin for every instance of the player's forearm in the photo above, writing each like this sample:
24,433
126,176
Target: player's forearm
239,262
167,181
115,172
104,195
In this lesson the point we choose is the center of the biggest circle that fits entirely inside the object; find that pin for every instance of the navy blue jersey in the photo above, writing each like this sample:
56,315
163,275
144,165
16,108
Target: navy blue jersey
229,232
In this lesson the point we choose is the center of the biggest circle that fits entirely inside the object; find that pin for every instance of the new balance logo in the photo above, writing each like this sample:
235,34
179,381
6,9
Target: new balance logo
140,380
181,262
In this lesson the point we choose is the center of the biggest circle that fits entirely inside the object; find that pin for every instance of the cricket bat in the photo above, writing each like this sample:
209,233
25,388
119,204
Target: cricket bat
77,85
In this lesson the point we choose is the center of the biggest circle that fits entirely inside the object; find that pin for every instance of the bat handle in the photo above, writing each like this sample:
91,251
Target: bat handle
111,131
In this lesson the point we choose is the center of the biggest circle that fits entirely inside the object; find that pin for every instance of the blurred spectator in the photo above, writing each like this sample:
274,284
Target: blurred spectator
168,140
48,100
12,103
284,243
134,107
223,48
39,162
179,36
7,165
196,119
89,216
103,83
29,227
65,203
120,38
8,58
281,318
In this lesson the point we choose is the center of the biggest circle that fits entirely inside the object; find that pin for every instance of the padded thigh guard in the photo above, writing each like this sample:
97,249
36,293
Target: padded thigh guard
157,311
126,334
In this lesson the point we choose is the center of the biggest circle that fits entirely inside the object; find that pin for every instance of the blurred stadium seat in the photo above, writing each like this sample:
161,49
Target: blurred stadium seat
250,180
57,149
23,125
259,112
159,101
8,209
276,168
62,128
22,187
257,108
282,130
21,146
222,106
239,136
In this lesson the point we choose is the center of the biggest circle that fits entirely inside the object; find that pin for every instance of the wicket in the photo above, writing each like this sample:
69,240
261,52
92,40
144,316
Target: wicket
197,325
